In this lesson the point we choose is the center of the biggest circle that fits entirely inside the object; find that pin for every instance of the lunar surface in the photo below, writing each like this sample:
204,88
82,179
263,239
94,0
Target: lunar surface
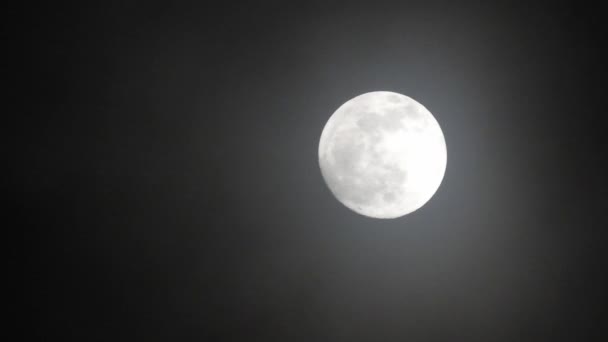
382,154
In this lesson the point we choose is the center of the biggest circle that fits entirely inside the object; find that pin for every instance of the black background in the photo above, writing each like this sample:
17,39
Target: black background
164,173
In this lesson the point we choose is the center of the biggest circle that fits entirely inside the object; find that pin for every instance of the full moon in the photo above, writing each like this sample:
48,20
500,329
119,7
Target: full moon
382,154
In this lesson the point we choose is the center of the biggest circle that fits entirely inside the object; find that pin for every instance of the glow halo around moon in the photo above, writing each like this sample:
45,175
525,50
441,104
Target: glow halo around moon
382,154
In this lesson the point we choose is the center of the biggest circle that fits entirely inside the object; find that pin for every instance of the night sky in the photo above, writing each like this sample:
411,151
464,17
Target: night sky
164,175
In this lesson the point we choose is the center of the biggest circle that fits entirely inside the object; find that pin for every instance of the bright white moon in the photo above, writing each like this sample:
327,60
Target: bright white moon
382,154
